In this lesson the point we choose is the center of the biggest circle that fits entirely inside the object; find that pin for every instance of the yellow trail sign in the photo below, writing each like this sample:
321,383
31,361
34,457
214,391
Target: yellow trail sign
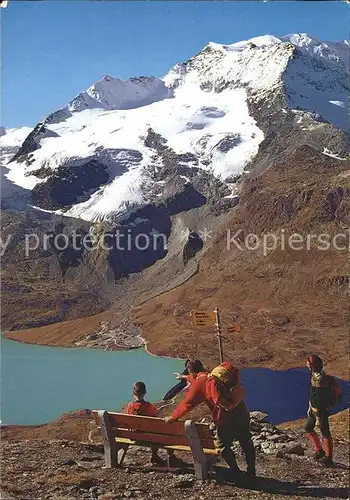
209,318
234,328
203,318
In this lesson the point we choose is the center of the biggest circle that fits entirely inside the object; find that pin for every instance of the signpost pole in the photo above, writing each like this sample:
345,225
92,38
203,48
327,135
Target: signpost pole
218,332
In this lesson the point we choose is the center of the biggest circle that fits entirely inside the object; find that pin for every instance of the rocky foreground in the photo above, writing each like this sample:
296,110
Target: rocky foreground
41,463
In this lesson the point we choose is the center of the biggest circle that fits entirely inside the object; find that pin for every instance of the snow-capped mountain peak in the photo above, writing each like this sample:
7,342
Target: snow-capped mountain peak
298,65
259,41
112,93
203,115
331,51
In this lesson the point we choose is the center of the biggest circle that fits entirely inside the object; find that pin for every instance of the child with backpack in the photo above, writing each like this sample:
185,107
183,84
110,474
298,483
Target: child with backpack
146,409
325,393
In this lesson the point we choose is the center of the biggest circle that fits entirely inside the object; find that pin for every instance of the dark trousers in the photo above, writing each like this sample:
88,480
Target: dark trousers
225,435
324,423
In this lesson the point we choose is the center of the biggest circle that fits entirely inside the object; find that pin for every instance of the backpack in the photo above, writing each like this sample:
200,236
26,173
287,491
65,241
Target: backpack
336,392
138,411
226,380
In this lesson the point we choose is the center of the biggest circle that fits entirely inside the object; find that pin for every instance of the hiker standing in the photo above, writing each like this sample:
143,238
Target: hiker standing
223,392
324,394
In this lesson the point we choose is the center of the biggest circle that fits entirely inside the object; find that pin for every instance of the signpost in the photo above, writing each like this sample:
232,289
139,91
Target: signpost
212,318
209,318
218,333
234,328
203,318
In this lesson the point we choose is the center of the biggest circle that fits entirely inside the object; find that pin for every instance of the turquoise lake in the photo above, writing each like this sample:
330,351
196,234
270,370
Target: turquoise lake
40,383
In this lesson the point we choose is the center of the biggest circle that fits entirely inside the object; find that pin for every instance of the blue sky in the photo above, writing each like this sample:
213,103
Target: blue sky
52,50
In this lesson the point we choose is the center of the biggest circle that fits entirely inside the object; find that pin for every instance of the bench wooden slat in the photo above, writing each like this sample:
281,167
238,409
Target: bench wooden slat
120,430
130,442
153,424
158,438
138,423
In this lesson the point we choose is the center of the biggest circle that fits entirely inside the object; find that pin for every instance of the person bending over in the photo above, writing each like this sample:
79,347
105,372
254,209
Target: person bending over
222,391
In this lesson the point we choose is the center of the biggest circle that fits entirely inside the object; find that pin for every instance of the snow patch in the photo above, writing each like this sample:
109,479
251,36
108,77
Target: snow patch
199,107
332,155
319,89
112,93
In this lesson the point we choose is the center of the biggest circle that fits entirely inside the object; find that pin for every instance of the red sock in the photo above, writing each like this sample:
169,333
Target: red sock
328,447
315,440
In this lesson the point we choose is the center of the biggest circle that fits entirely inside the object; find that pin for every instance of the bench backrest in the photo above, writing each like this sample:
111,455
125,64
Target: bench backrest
154,430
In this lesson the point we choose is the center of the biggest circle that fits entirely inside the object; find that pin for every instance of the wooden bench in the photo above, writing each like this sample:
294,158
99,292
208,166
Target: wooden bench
119,431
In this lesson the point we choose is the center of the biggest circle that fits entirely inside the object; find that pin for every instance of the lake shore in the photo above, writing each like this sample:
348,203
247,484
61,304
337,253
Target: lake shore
86,378
99,332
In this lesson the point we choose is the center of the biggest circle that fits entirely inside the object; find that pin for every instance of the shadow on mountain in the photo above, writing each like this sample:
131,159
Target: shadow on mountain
187,199
139,241
13,197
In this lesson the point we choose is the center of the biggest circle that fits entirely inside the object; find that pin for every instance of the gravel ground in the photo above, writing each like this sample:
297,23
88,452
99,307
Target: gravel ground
61,469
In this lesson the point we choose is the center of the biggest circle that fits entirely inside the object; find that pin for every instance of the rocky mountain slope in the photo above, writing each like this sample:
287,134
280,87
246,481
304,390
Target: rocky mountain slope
90,158
288,301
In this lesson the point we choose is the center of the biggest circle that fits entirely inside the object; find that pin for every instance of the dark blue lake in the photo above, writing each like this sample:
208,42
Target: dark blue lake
40,383
282,394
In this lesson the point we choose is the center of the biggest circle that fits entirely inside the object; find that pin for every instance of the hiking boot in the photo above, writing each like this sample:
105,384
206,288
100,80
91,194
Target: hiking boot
156,460
327,462
237,476
319,455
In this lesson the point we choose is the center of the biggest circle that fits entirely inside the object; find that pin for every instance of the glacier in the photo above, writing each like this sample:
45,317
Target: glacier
201,106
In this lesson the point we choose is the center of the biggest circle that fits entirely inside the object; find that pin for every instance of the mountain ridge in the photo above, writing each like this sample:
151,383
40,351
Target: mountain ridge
212,102
218,155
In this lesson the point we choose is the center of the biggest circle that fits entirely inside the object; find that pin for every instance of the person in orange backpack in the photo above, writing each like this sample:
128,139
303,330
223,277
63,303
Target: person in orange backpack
324,394
146,409
222,391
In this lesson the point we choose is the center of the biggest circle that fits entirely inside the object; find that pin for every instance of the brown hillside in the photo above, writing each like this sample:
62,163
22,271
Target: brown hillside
289,302
33,290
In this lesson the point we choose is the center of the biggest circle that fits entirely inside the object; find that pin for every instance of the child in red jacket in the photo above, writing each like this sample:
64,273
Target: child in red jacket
141,407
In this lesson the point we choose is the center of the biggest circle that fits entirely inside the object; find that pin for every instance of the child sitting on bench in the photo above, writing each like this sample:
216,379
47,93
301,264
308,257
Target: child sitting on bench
141,407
